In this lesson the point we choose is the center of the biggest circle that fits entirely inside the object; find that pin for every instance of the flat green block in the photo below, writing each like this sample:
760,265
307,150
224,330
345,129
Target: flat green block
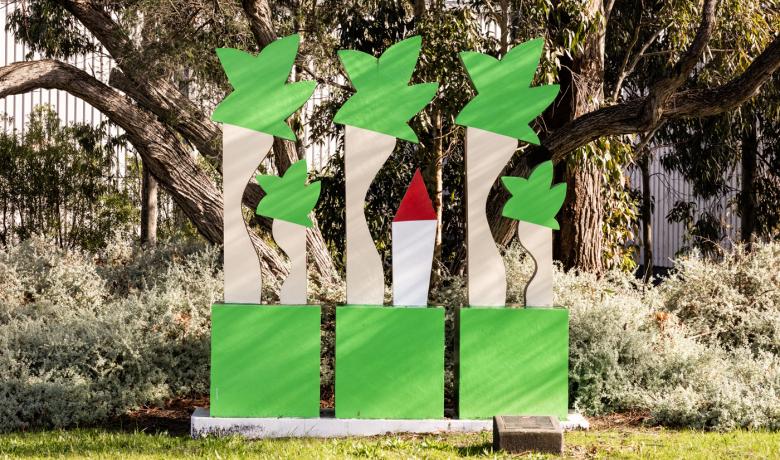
514,362
265,361
389,362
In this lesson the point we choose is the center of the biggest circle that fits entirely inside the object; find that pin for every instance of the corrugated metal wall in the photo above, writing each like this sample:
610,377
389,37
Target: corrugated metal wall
667,188
16,109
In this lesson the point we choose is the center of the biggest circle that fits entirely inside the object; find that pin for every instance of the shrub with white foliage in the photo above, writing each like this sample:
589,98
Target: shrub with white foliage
85,337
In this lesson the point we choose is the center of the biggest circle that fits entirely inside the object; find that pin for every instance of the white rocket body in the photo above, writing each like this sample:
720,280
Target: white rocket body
413,242
414,237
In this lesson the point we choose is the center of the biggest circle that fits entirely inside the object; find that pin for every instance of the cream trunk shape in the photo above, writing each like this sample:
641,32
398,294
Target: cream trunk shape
486,155
364,154
291,238
242,151
537,240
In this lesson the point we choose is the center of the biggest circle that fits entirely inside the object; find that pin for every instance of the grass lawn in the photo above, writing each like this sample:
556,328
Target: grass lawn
599,443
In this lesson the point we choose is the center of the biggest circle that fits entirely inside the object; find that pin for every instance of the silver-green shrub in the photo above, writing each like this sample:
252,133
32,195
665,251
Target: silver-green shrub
638,347
85,337
734,303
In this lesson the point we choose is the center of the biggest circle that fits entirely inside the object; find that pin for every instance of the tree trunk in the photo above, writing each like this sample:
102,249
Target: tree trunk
148,208
438,194
647,215
364,154
747,195
486,156
291,239
419,8
581,240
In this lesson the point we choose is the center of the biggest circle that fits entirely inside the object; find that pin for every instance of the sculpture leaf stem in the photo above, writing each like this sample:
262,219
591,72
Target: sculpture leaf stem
243,151
364,154
486,155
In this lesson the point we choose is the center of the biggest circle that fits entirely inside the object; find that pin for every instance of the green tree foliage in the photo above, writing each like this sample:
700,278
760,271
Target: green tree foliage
641,41
536,199
57,182
50,30
263,100
383,100
288,197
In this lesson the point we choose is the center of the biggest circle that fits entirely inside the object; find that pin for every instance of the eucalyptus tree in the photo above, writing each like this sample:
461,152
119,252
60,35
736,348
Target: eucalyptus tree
624,66
160,92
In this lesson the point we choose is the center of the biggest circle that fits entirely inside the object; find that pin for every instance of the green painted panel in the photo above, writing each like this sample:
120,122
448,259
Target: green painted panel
265,361
513,362
389,362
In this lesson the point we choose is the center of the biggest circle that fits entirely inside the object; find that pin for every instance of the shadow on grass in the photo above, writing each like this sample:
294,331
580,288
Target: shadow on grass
485,448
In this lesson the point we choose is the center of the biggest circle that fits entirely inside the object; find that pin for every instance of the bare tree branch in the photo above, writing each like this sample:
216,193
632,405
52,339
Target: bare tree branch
627,70
155,94
663,89
258,12
628,117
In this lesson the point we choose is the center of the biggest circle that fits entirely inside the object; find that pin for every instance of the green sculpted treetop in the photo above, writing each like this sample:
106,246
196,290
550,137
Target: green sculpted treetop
535,199
505,103
288,197
262,99
384,101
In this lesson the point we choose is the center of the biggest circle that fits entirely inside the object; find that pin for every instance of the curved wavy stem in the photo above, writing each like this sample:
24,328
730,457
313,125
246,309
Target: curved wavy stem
537,240
291,238
364,154
486,155
243,151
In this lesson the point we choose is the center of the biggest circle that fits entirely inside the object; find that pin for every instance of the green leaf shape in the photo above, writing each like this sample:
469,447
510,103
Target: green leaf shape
506,103
262,99
535,199
384,101
288,197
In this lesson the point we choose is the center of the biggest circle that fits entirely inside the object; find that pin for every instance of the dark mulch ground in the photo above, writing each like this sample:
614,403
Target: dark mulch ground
174,417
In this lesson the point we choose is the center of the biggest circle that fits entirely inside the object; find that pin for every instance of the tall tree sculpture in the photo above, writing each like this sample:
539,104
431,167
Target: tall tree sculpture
374,116
252,115
491,139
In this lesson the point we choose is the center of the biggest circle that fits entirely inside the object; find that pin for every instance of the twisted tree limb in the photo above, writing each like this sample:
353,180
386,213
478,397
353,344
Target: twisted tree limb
163,153
154,93
629,118
160,97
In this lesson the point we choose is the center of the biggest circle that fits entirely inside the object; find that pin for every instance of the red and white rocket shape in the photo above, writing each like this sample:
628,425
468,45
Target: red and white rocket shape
414,235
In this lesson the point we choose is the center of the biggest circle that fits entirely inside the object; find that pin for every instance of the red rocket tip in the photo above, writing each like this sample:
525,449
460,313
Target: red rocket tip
416,204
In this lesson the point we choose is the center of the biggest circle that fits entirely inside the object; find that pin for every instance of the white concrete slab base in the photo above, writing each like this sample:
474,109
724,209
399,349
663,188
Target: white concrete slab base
327,427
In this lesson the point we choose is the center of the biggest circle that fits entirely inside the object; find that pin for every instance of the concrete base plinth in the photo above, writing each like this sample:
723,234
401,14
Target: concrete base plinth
516,434
202,424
